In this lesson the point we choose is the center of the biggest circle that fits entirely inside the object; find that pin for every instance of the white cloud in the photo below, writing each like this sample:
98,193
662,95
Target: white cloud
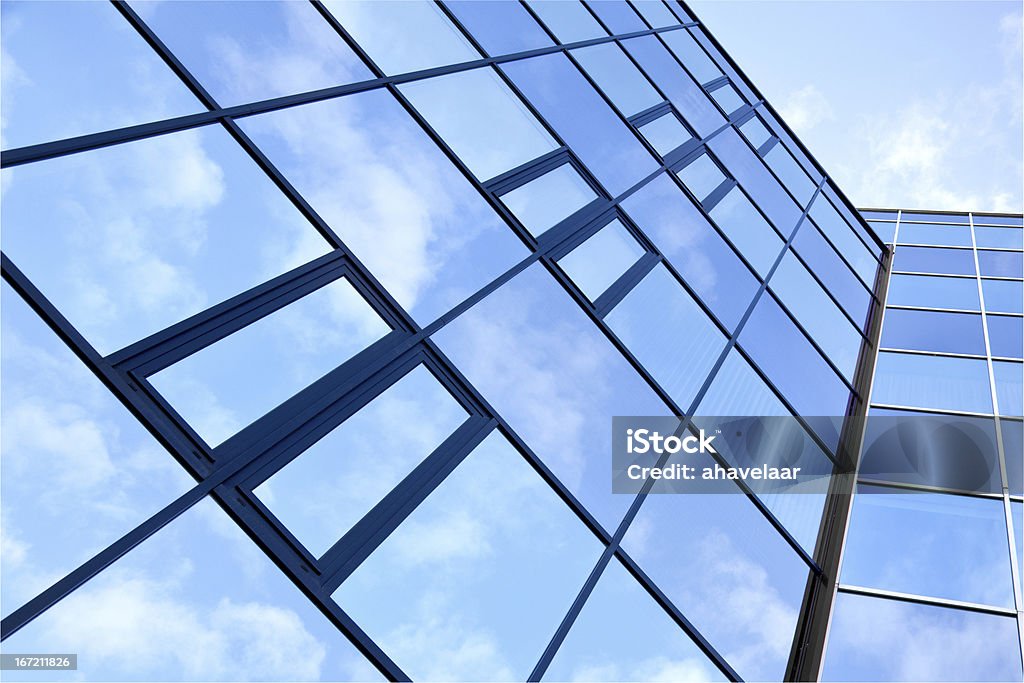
805,108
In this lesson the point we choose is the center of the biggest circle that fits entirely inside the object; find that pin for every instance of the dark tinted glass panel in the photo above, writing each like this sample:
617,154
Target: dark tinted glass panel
935,217
933,292
1002,238
500,26
905,379
934,260
1001,263
939,235
1006,335
980,219
1004,296
834,274
933,331
1013,449
572,106
619,17
568,20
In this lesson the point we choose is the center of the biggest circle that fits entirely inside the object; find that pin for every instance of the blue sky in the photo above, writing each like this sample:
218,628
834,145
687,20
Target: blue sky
906,104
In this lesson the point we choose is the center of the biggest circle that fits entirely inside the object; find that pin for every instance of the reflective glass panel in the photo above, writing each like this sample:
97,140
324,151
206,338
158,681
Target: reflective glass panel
1004,296
543,202
602,259
1009,387
885,231
834,274
1017,512
568,20
618,77
619,17
748,230
790,173
904,379
938,235
500,26
933,292
1013,449
1006,335
980,219
665,133
755,132
728,98
881,215
936,217
656,13
841,235
933,331
693,57
702,176
934,260
999,237
1001,263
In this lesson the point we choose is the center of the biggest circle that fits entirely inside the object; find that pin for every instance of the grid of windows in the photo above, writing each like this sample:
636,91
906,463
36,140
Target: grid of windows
382,314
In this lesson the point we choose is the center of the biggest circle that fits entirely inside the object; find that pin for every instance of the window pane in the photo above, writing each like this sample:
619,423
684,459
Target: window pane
709,266
665,133
480,119
933,260
838,231
602,259
397,202
321,494
72,68
748,230
933,331
619,17
881,215
790,173
1013,449
1017,512
1006,335
1001,263
244,51
980,219
618,77
656,13
727,98
836,275
586,123
738,390
691,55
755,132
545,201
130,239
1004,296
999,237
933,292
930,544
569,20
874,639
403,35
500,26
1009,387
904,379
885,231
622,634
492,557
936,217
939,235
226,386
701,177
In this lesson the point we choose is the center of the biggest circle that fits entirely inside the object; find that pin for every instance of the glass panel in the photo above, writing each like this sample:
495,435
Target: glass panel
999,237
545,201
933,292
622,634
836,275
709,266
845,241
1009,387
934,260
1006,335
130,239
403,35
939,235
790,173
1004,296
755,132
394,198
748,230
728,98
935,217
72,68
500,26
540,361
618,77
980,219
665,133
822,319
702,176
244,51
569,20
874,639
1001,263
904,379
681,90
692,55
602,259
655,12
227,385
321,494
1013,449
199,601
885,231
480,119
586,123
491,560
1017,512
883,215
619,17
669,334
933,331
931,544
79,470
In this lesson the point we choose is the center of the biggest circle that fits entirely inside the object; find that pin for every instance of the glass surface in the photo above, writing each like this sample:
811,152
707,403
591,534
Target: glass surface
931,544
321,494
481,119
1013,450
1017,512
619,17
885,231
874,639
403,35
656,13
933,292
601,259
960,218
934,260
1009,387
543,202
904,379
622,634
881,215
72,68
1005,238
500,26
728,98
130,239
79,470
587,124
693,57
569,20
665,133
790,173
245,51
491,560
822,319
981,219
748,230
1003,296
680,89
938,235
539,360
1006,335
842,237
226,386
1001,263
707,263
933,331
669,334
397,202
834,274
702,176
618,77
755,132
